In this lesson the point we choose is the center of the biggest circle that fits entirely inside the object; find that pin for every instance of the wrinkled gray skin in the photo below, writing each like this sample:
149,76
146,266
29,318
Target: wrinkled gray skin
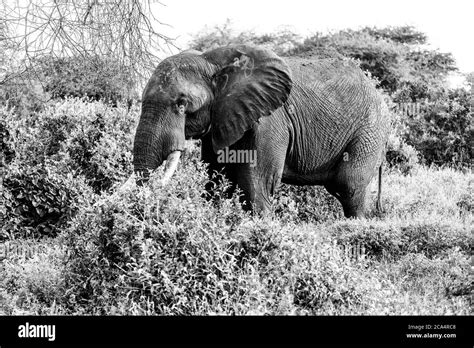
312,122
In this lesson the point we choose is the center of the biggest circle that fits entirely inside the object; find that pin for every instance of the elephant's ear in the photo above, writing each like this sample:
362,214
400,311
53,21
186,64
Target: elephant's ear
252,83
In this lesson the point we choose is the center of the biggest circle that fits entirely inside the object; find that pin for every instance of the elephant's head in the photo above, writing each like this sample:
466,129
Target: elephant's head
223,91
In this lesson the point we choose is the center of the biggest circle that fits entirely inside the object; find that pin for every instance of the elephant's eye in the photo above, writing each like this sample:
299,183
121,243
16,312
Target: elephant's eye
182,101
181,105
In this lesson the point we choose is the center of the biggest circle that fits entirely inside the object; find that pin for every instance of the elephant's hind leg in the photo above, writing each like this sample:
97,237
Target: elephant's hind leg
353,175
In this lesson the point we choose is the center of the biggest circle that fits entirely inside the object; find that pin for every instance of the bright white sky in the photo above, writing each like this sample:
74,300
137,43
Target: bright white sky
449,24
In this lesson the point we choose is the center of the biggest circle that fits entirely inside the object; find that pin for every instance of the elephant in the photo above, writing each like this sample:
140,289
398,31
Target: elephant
309,121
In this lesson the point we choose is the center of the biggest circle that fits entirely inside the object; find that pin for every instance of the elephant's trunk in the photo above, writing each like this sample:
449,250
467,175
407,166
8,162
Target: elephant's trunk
155,141
147,154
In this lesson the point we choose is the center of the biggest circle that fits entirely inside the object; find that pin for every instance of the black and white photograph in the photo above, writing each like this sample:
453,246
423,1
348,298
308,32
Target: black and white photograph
285,163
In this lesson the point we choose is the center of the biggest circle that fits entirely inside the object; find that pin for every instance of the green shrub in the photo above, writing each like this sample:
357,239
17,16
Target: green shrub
465,201
442,128
7,151
158,250
166,250
95,77
394,238
428,193
38,200
319,276
55,155
401,156
379,239
448,275
86,138
281,42
154,250
32,278
21,141
24,93
424,286
418,285
92,139
436,237
305,204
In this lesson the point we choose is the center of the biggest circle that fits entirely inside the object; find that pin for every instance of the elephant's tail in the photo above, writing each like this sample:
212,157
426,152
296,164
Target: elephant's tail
378,203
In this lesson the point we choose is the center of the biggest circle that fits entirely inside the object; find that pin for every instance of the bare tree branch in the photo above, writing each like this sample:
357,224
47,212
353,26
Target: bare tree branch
123,30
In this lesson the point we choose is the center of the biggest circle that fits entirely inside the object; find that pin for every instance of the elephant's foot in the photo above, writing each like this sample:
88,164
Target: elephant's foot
352,200
354,206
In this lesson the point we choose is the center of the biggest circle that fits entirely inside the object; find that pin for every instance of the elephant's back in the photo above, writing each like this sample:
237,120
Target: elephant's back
323,65
330,73
338,83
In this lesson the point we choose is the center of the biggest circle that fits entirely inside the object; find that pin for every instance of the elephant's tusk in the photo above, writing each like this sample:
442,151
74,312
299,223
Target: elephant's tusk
171,164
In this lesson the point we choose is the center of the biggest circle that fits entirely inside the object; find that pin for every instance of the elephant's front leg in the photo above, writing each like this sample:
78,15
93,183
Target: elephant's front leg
256,186
254,164
238,173
261,175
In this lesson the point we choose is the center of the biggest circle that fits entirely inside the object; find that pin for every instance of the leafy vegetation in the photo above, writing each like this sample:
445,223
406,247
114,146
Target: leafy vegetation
167,250
280,42
54,157
443,129
96,77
